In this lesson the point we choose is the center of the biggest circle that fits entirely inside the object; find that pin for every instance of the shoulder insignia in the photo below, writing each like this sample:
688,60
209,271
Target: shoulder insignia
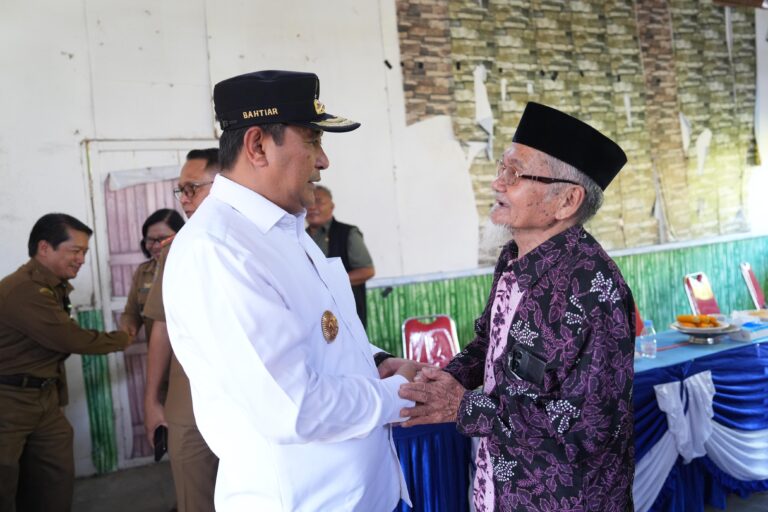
47,291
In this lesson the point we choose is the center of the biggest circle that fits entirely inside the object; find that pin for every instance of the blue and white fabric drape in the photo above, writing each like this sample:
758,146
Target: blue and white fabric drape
702,430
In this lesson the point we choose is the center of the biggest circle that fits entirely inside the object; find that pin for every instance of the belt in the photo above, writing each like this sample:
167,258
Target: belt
26,381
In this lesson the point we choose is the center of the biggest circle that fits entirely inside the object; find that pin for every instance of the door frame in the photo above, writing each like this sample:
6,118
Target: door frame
102,157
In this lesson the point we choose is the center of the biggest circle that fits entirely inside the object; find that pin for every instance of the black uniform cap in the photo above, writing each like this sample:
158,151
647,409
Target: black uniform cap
571,141
264,97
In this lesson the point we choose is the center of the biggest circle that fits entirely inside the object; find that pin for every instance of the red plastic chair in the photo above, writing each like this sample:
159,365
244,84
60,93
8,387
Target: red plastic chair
700,294
638,321
753,285
430,339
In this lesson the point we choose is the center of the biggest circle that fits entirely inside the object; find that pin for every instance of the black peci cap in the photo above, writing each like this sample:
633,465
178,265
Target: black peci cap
264,97
571,141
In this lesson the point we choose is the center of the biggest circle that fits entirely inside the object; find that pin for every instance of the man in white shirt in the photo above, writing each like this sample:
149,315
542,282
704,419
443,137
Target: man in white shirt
284,385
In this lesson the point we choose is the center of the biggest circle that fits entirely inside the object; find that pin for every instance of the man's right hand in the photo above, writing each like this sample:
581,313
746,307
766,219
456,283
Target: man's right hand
409,370
128,326
154,416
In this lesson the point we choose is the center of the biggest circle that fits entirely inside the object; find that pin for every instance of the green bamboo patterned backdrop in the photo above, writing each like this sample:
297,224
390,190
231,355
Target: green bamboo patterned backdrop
656,280
98,393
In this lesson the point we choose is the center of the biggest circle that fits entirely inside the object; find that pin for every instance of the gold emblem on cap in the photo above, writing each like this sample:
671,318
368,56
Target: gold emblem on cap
334,121
330,326
319,107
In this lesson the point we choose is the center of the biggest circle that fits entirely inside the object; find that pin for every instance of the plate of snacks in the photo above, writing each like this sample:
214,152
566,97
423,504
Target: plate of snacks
701,324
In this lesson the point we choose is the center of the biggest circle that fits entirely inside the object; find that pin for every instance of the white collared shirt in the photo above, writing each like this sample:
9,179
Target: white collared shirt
298,422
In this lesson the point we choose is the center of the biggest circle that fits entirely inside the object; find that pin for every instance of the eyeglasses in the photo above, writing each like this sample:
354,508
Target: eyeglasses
189,189
152,241
510,177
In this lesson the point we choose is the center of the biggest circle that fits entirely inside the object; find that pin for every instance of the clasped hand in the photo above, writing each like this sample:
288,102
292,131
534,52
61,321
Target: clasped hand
437,395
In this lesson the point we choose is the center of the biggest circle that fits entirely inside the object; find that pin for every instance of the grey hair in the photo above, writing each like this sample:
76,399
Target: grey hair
593,194
320,188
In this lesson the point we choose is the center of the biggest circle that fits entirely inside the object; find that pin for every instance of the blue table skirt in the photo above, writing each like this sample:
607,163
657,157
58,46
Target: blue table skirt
435,461
740,375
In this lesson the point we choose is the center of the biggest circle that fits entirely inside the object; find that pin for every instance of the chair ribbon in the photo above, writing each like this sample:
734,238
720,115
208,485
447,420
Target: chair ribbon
691,429
687,432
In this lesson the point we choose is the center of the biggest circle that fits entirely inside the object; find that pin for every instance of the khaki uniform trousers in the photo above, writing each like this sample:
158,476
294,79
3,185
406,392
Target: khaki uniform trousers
194,468
37,470
193,464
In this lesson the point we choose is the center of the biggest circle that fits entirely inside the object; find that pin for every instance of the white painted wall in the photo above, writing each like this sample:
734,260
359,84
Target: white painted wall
143,70
119,71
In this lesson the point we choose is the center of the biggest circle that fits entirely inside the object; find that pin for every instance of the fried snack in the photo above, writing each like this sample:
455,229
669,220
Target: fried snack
697,321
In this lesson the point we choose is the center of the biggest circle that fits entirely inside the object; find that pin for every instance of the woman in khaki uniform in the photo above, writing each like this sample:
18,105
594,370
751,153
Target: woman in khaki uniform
159,226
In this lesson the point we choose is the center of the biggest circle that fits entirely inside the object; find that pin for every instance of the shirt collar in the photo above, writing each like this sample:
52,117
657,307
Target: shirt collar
325,228
529,269
256,208
42,274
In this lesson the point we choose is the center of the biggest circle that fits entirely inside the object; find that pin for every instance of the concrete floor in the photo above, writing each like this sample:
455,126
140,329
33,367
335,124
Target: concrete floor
150,489
145,489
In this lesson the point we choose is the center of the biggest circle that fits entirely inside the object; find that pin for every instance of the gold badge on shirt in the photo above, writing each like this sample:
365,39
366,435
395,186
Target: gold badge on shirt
330,326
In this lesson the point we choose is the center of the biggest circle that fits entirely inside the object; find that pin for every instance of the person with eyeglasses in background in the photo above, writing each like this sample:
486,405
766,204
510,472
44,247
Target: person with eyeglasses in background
193,464
158,227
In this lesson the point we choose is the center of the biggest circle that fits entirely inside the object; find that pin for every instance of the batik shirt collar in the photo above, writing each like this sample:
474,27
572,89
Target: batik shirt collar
531,267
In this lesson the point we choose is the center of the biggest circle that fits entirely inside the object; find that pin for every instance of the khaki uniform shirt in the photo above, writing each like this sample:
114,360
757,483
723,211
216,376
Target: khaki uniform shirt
153,307
37,334
137,296
178,404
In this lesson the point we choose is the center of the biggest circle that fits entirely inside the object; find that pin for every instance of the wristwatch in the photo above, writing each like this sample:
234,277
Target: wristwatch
380,357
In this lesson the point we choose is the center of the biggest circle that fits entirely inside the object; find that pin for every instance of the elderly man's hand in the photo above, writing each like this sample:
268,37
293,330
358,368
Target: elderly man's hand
437,395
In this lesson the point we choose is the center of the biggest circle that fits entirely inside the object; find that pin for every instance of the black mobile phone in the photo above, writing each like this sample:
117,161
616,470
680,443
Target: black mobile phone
161,442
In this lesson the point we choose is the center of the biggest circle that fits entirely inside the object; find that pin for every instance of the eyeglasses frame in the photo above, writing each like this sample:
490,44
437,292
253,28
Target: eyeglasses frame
192,186
502,171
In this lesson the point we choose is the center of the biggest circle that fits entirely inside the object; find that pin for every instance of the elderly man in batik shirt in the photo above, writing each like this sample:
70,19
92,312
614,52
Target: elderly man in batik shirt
553,352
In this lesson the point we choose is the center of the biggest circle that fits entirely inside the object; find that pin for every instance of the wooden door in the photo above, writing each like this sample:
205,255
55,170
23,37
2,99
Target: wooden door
126,211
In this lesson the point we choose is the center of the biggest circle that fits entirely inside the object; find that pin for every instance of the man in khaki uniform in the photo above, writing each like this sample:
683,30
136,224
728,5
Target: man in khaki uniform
36,335
193,464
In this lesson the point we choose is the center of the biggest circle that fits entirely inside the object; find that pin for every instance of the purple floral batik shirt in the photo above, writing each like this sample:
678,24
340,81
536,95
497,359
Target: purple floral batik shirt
557,423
